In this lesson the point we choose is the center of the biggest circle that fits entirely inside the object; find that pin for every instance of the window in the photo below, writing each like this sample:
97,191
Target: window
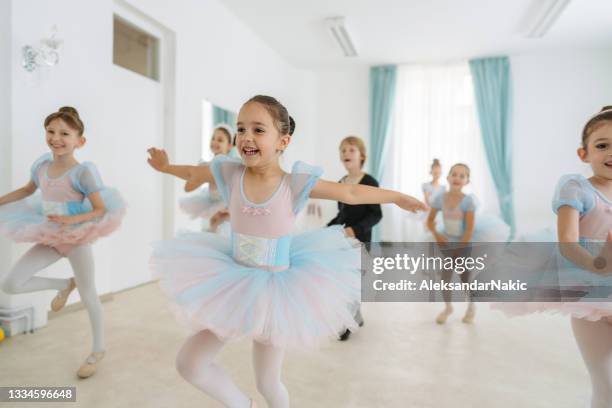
135,49
435,116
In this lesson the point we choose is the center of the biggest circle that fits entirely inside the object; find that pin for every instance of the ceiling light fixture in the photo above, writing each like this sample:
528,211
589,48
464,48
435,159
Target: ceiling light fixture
337,28
545,14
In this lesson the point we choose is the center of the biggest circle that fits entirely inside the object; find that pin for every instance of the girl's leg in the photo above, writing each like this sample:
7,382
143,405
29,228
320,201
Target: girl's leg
81,259
21,279
595,343
471,311
447,276
195,363
268,362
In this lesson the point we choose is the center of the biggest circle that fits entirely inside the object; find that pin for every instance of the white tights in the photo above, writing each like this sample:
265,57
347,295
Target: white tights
21,279
195,363
595,342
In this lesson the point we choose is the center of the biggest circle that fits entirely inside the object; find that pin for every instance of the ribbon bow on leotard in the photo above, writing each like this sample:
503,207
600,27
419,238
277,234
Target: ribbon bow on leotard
255,210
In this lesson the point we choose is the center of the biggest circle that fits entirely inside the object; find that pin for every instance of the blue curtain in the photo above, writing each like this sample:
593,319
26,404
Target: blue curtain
382,98
221,115
491,77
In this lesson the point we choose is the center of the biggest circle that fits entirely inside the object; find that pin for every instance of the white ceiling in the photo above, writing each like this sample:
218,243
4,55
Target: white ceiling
402,31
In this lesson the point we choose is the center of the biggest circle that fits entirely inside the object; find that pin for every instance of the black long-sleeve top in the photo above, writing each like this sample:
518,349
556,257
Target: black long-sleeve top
362,217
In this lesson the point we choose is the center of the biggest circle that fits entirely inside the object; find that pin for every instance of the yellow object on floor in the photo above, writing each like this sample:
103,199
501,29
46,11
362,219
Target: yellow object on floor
1,334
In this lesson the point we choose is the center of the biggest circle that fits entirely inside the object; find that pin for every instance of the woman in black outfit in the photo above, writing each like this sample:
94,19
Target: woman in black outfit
358,220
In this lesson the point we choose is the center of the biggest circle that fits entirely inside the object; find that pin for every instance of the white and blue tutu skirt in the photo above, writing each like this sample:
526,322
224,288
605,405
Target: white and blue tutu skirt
313,300
26,220
581,293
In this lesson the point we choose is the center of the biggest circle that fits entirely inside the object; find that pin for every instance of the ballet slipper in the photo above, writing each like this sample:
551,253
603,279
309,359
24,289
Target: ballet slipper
253,405
470,313
88,368
59,301
443,316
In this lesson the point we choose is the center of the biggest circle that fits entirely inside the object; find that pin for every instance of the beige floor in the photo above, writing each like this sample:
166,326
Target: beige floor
399,359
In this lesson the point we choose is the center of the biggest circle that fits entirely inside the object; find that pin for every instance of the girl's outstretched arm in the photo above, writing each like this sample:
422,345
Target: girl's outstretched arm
19,194
568,226
353,194
194,175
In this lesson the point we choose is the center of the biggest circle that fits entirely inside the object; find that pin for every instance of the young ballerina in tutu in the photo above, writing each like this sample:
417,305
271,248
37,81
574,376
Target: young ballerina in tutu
458,213
584,223
433,187
73,209
207,202
266,283
430,190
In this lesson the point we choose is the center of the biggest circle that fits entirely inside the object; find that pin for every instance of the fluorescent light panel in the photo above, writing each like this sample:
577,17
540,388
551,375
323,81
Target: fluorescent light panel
550,12
337,27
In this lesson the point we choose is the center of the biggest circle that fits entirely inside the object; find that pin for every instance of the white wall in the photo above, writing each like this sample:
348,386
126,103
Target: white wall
112,101
554,95
341,110
220,59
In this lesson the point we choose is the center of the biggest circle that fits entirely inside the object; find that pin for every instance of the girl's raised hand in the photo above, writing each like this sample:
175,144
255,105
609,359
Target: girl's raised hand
195,176
219,217
158,159
410,203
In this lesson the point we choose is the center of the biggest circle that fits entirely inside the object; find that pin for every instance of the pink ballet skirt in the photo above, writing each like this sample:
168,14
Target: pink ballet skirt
26,220
595,221
266,282
592,311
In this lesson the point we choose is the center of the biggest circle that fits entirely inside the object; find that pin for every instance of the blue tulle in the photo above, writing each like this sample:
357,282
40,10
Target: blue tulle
314,299
303,186
216,169
30,210
490,228
574,190
25,221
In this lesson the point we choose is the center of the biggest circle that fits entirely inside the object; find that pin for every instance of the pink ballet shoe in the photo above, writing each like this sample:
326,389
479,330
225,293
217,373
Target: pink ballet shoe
61,298
88,368
253,405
